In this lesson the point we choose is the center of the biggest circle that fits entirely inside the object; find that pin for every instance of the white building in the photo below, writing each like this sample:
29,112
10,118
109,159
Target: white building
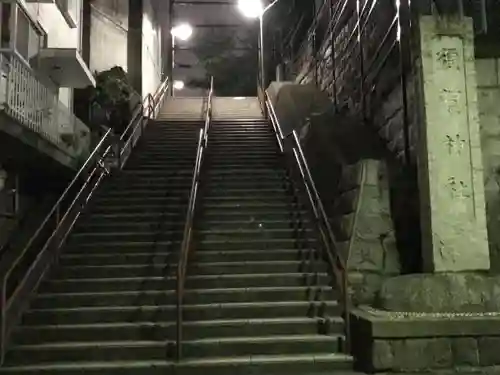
42,61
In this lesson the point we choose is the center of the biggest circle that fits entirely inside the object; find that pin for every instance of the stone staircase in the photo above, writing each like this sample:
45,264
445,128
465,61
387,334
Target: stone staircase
109,306
258,297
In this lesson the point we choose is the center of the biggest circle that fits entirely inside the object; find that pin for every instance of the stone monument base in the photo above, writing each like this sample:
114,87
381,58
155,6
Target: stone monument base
430,323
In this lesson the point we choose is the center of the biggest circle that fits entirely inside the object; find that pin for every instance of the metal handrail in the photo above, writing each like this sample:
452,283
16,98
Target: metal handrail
45,243
188,227
334,257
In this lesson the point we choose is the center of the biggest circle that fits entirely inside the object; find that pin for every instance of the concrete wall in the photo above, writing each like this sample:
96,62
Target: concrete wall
151,47
488,81
59,33
108,31
120,37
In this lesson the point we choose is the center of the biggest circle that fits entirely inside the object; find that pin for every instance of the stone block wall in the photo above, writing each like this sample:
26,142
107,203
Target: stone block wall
365,223
488,81
434,354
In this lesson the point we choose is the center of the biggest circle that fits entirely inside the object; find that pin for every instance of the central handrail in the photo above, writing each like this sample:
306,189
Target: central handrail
188,227
22,271
332,252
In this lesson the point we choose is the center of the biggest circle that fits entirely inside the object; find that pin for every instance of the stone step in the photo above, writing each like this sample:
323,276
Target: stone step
212,206
213,235
233,173
154,330
122,247
274,280
255,345
238,310
146,191
256,244
103,258
156,224
220,185
134,217
192,296
107,201
196,268
178,206
260,233
318,363
160,166
87,351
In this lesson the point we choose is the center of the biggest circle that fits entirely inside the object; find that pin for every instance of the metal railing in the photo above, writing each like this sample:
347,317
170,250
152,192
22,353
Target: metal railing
21,271
34,103
188,227
290,147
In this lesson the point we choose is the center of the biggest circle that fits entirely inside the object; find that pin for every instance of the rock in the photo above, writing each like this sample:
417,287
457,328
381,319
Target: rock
465,351
452,292
421,354
382,356
364,287
488,351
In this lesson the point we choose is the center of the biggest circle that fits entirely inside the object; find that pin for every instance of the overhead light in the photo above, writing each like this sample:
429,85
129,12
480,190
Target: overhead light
251,8
182,31
178,85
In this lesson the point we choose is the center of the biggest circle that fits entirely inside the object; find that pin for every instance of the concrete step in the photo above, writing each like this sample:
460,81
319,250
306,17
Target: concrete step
155,330
211,205
261,172
160,165
156,224
255,244
176,206
192,296
242,182
96,247
134,217
255,345
87,351
145,191
104,226
238,310
316,364
192,282
130,270
104,258
167,199
260,233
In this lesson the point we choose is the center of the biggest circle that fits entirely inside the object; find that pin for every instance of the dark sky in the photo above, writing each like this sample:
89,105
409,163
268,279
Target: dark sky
204,15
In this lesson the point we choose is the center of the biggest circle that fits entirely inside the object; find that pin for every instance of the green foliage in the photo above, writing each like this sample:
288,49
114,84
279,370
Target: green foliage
232,61
110,100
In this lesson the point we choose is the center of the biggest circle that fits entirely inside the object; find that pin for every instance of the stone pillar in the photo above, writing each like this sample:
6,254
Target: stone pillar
134,44
453,217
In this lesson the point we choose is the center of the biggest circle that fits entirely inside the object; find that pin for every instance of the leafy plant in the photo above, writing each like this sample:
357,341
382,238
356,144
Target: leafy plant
112,99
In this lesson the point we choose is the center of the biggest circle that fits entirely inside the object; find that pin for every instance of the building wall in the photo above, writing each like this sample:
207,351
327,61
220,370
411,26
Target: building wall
119,37
108,34
151,47
59,33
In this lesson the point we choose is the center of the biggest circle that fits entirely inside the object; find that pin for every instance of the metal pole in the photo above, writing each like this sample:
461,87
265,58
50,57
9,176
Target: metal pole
262,62
170,66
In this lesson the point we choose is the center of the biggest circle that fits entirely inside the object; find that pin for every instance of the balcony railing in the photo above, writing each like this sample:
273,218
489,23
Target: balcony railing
33,103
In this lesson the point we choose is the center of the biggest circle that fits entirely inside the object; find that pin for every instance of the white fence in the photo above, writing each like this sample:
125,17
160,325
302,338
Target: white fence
35,105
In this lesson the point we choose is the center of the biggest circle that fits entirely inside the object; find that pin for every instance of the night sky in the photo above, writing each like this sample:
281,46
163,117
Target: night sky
203,16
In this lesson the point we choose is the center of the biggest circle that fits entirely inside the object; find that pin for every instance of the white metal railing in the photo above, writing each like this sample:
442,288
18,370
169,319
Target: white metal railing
35,105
